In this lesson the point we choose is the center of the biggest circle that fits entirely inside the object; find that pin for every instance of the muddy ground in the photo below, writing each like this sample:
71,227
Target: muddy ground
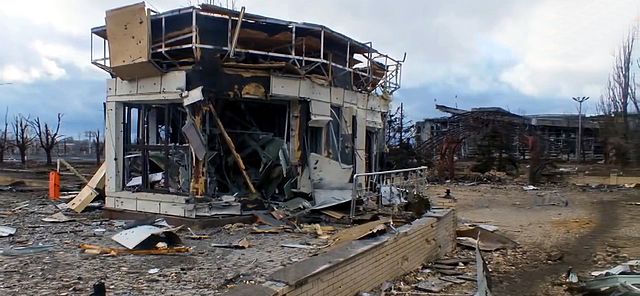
588,229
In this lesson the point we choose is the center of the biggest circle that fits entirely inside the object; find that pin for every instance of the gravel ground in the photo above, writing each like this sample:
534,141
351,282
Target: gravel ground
596,229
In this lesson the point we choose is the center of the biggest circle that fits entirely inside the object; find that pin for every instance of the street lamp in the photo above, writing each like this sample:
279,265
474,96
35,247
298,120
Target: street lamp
580,100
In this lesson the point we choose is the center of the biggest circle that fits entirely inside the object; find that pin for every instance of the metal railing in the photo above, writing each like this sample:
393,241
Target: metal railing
390,185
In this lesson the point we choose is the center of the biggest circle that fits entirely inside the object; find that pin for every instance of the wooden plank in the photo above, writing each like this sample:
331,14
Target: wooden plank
232,147
88,193
356,232
73,170
128,32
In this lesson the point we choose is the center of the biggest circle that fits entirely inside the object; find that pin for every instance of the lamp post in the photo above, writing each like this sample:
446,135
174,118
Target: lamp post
580,100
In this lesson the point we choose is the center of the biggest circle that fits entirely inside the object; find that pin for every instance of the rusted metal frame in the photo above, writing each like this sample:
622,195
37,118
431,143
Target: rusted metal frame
185,36
164,52
304,51
293,45
194,39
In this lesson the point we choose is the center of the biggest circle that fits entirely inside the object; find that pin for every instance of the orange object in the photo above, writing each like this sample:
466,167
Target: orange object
54,185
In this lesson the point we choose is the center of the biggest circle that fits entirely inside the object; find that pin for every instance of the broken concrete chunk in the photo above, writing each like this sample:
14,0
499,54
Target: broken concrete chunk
58,217
241,244
7,231
432,285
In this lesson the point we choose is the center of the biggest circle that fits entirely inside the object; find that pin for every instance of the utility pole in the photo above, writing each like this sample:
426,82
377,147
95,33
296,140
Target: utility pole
401,122
580,100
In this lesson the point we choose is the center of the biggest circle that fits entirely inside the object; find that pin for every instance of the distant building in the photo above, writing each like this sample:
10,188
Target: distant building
558,131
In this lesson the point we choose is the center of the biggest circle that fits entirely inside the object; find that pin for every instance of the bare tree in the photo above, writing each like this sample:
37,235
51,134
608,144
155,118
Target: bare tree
99,147
4,136
47,136
621,87
22,138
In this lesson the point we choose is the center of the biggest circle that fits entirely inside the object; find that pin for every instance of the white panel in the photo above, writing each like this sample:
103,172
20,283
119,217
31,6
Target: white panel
348,113
124,87
314,91
149,85
157,98
148,206
174,81
328,173
362,101
350,97
320,108
176,209
374,119
109,202
374,103
361,118
111,87
285,86
337,96
120,203
113,147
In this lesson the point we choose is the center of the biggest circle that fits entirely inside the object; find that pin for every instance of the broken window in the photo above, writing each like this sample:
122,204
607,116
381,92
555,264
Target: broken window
156,155
316,137
340,138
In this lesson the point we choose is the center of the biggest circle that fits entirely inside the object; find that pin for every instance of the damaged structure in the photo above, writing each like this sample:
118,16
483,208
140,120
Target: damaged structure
558,131
210,110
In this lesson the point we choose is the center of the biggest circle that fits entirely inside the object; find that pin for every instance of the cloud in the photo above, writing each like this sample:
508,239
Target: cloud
529,55
565,48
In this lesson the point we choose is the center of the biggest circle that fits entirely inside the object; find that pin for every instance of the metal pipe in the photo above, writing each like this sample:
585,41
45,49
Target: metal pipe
236,33
322,44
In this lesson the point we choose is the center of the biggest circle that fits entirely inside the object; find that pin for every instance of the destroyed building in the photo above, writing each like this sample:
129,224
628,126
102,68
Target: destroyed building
207,104
558,131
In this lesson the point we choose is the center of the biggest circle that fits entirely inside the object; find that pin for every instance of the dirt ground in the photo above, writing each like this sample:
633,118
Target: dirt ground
595,230
588,229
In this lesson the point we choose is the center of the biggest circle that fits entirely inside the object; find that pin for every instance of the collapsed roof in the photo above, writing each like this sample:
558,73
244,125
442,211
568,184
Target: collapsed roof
186,37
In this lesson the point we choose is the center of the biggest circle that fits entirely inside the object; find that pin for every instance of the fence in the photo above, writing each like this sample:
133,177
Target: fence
387,187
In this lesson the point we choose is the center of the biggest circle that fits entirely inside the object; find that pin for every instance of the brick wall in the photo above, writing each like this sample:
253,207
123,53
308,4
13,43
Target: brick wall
425,240
363,265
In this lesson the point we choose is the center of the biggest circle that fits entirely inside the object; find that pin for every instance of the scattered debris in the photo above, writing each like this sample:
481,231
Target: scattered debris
196,236
334,214
145,236
529,188
96,250
298,246
241,244
360,231
628,267
58,217
433,285
452,279
153,270
487,241
18,251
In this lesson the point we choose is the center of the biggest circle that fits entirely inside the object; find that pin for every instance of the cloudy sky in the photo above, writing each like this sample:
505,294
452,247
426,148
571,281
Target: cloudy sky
525,56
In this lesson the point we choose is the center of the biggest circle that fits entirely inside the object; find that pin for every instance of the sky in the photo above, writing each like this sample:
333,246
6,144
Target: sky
528,57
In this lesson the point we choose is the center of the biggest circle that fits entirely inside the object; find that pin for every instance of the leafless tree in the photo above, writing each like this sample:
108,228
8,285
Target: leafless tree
4,136
22,136
48,138
621,87
99,147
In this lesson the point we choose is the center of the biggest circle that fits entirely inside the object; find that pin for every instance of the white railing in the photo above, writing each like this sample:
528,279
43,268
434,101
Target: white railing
390,186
